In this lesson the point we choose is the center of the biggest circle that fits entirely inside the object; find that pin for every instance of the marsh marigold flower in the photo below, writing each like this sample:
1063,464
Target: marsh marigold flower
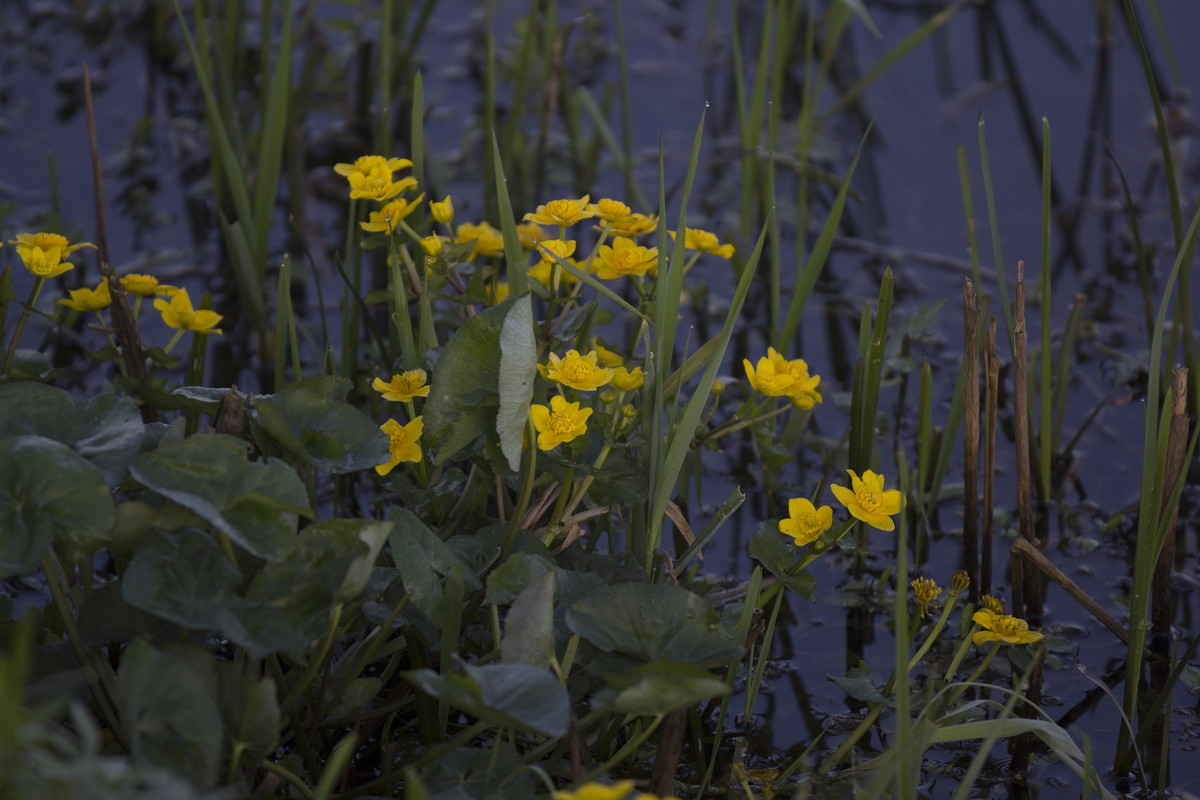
387,218
696,239
576,371
488,240
48,240
718,386
561,212
443,212
926,591
960,581
802,391
766,379
610,210
530,233
402,443
43,263
404,387
377,185
432,245
550,248
1002,628
597,791
140,285
627,380
178,313
633,225
805,522
559,423
365,164
89,299
628,410
623,258
867,500
543,272
992,603
608,358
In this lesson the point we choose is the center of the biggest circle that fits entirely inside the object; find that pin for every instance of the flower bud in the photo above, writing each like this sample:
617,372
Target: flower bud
959,582
607,396
628,410
718,386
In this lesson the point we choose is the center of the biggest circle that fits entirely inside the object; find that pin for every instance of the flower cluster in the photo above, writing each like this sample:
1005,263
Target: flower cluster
776,376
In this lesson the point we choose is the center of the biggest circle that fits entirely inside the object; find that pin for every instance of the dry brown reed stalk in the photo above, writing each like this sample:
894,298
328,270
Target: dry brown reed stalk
971,438
1023,551
1177,442
662,776
1030,601
989,459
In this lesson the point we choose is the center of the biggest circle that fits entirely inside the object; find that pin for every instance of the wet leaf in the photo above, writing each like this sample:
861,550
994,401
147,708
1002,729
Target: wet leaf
653,621
514,696
211,476
318,429
106,430
49,495
421,557
169,714
518,366
529,626
858,684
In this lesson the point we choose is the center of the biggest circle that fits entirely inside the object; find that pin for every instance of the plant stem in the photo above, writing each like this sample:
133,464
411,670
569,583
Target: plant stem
12,347
975,675
961,654
629,748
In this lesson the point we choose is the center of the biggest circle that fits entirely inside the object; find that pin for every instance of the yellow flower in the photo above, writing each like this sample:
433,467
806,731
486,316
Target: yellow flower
543,273
992,603
625,257
696,239
559,423
718,386
610,210
560,212
443,212
634,225
48,240
608,358
1003,628
402,443
530,233
488,241
926,592
403,387
868,501
365,164
377,185
626,380
387,218
500,293
597,791
766,379
141,285
803,389
550,248
89,299
576,371
167,291
43,263
805,521
178,313
432,245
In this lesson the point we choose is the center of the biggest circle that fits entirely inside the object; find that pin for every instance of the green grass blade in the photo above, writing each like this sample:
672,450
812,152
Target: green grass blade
274,131
282,313
874,371
995,226
964,177
250,290
820,253
417,136
514,254
752,121
681,442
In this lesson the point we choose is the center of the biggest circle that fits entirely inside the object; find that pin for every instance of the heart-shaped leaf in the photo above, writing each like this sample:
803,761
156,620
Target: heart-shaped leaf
514,696
321,430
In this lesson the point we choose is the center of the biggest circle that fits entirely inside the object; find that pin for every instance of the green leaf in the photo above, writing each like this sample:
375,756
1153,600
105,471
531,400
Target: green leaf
519,572
514,696
777,552
518,366
467,774
332,558
661,687
169,714
211,475
106,618
249,710
529,626
465,385
421,557
858,684
106,430
318,429
30,365
49,495
652,621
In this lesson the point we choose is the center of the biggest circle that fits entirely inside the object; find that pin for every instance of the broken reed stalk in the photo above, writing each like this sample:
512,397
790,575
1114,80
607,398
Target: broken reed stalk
662,776
971,437
1024,552
989,459
1029,601
1177,442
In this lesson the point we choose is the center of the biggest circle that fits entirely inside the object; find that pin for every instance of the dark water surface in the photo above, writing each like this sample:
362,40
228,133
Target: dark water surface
911,217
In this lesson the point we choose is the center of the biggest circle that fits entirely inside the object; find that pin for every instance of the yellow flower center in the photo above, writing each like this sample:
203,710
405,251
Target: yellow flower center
626,260
613,208
809,524
396,437
993,604
562,209
561,423
925,590
48,240
42,267
408,382
1007,626
578,371
870,500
